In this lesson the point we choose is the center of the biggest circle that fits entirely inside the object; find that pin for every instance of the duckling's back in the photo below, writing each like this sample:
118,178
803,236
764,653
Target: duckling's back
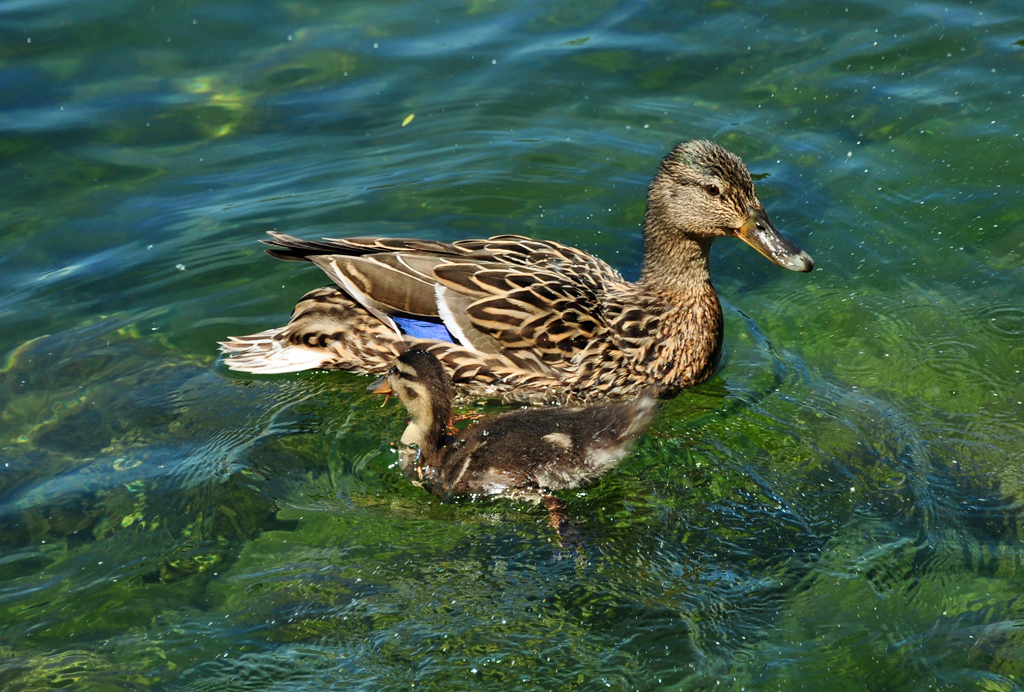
527,452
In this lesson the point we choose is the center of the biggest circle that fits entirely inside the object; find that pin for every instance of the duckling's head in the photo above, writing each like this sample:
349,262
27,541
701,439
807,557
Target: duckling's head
419,381
702,192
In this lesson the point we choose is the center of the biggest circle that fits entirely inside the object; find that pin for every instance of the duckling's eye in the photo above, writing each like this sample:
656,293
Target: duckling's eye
711,190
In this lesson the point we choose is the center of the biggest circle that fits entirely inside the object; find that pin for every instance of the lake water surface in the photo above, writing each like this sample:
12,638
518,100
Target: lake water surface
841,507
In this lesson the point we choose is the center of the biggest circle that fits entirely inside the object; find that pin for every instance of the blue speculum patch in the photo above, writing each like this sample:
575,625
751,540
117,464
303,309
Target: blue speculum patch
424,329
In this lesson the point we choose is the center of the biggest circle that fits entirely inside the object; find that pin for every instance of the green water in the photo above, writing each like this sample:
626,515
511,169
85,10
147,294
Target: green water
839,508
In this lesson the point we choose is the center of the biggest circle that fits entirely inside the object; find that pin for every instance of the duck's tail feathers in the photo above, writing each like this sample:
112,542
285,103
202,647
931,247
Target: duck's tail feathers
328,330
266,354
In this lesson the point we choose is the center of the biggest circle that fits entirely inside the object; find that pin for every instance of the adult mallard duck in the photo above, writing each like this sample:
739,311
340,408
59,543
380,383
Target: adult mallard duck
523,454
530,320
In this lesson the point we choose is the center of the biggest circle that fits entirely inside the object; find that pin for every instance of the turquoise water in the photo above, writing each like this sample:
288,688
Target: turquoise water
839,508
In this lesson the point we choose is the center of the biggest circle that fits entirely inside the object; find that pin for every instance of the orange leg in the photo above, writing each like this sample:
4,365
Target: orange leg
452,430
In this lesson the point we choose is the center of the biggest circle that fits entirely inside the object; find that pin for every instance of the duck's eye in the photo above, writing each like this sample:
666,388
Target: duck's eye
712,190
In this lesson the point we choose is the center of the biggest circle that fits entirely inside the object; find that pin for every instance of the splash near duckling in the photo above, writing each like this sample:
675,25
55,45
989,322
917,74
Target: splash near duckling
525,320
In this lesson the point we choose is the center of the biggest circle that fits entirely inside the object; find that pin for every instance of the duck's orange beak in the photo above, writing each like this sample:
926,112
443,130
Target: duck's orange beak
760,233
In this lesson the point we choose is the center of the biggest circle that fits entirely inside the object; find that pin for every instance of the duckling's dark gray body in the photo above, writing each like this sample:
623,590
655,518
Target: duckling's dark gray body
527,452
520,454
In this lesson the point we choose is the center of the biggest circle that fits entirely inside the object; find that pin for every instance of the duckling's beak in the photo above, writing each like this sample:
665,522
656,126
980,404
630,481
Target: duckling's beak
380,386
760,233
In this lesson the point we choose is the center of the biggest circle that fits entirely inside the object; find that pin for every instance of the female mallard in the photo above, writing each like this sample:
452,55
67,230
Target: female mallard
522,454
532,320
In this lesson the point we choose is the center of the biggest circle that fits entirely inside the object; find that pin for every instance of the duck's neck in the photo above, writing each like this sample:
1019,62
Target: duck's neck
428,423
673,262
676,284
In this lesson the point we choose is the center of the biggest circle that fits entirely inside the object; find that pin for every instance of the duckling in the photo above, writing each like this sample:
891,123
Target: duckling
522,454
527,320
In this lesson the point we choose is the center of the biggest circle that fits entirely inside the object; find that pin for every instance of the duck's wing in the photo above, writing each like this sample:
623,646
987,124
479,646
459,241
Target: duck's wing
507,292
545,311
533,295
543,254
288,247
502,249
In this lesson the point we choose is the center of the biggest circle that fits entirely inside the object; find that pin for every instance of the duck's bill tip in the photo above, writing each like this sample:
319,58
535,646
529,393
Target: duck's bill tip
380,386
800,262
759,233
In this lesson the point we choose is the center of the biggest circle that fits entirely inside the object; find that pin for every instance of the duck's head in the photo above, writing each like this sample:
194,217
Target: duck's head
702,191
419,381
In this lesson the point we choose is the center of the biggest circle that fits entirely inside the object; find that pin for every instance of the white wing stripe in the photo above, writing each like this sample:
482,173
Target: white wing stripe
444,311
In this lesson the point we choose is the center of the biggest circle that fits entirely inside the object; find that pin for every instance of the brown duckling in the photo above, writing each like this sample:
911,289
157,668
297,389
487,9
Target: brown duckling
523,454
